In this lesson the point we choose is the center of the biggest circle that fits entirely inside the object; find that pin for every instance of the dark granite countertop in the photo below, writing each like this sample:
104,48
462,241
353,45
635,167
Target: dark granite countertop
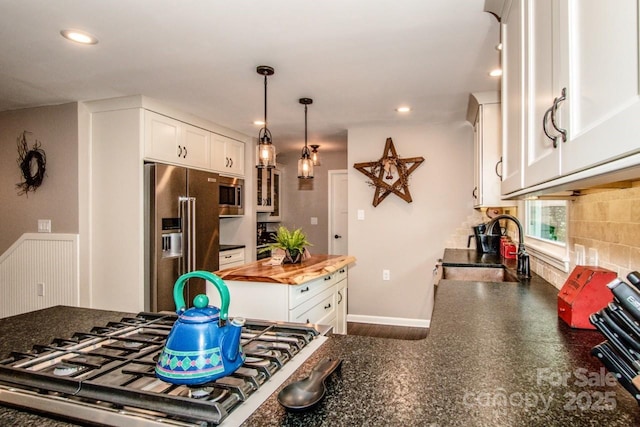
496,355
230,247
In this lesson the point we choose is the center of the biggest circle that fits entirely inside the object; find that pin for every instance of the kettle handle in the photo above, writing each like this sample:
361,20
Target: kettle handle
178,295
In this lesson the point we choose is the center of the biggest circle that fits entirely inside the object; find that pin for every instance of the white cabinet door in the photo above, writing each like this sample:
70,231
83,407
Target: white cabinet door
195,143
541,153
512,97
599,65
341,307
172,141
485,107
162,138
264,190
235,152
227,155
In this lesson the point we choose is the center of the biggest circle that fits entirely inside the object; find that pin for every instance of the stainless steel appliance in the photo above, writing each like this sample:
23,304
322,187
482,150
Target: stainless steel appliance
106,376
231,200
181,230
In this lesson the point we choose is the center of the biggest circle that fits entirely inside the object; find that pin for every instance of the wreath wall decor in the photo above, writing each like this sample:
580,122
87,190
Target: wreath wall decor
32,163
390,166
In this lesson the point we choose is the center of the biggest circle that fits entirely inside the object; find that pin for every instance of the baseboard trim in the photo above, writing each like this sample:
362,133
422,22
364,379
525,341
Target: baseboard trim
393,321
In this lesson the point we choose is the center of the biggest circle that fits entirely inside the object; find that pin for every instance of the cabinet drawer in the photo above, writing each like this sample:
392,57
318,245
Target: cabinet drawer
231,256
298,294
340,275
320,307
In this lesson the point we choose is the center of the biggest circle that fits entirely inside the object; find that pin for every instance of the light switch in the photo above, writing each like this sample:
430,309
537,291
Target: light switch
314,220
44,226
361,214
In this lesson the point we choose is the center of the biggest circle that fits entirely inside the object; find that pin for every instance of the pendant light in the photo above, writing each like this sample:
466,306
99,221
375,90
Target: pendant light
314,155
305,164
265,151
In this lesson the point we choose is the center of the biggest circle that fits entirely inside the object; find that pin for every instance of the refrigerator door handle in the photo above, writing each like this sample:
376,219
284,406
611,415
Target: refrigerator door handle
185,219
192,234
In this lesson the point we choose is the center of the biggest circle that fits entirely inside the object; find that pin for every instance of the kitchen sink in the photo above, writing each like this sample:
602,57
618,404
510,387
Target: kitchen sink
479,274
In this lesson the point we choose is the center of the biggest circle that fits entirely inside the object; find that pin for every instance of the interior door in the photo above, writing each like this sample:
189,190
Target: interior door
338,243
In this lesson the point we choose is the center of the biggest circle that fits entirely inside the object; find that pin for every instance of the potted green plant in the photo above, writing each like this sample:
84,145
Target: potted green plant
293,243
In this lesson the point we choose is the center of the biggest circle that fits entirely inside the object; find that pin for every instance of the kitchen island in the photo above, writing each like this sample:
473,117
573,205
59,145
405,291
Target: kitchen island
312,291
496,355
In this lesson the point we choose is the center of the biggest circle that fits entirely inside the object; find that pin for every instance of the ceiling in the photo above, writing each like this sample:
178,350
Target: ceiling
357,59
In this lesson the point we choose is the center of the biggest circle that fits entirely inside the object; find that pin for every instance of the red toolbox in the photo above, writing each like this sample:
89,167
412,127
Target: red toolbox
584,293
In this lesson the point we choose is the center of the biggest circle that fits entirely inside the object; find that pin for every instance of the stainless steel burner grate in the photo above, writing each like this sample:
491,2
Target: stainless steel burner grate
107,375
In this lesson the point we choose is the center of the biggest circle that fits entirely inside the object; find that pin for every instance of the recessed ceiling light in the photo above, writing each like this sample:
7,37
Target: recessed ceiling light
403,109
495,73
79,36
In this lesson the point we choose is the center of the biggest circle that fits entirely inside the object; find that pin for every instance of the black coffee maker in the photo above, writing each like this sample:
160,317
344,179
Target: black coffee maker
485,243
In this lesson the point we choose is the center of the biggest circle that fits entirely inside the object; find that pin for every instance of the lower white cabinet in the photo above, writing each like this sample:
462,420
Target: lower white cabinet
341,302
231,258
320,301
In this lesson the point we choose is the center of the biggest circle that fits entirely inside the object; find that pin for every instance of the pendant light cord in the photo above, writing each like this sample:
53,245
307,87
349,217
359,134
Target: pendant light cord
265,101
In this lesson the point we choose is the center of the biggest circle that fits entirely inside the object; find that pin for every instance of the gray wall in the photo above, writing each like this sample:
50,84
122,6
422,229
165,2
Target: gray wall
406,238
303,199
56,127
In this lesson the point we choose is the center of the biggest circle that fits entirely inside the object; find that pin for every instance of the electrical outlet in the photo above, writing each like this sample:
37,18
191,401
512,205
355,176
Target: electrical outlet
386,275
361,214
40,289
314,220
592,257
580,254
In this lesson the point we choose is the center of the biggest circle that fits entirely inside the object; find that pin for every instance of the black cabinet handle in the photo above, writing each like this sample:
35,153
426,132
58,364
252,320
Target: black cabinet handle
185,153
327,306
304,290
327,278
340,295
475,192
179,150
337,236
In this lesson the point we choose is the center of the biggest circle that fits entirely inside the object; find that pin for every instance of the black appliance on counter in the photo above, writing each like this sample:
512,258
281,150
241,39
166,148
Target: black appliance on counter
619,322
263,239
107,377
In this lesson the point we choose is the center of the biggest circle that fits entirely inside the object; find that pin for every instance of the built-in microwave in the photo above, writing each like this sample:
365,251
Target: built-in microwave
231,201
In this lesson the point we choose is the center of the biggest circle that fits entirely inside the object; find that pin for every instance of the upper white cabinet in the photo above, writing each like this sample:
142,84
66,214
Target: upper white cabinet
265,190
512,97
571,103
484,113
598,54
172,141
227,155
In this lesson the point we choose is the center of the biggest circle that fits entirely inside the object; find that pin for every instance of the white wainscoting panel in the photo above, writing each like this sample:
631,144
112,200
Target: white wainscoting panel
39,270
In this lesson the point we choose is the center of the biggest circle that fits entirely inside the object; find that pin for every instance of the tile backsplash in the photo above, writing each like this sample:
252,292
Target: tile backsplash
608,221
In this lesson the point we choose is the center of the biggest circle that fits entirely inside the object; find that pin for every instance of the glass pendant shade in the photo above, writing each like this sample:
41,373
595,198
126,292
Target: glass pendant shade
305,164
265,150
314,155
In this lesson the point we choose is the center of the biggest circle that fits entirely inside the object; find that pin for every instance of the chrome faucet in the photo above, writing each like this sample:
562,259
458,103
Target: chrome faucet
524,268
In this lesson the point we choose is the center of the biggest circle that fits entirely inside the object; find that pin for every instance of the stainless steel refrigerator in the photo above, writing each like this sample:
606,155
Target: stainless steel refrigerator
181,231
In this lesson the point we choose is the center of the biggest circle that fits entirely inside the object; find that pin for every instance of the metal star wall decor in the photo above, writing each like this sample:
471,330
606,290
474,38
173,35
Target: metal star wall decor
390,167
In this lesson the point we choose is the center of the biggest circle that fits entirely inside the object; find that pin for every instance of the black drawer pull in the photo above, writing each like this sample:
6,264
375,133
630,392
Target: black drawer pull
304,290
327,306
327,278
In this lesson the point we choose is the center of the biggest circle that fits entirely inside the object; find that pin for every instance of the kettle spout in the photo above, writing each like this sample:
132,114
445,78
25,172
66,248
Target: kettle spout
232,338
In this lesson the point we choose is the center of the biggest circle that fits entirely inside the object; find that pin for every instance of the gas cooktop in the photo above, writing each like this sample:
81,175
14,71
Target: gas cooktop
106,376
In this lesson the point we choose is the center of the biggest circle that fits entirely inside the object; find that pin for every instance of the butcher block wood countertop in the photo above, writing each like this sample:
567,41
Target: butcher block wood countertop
287,274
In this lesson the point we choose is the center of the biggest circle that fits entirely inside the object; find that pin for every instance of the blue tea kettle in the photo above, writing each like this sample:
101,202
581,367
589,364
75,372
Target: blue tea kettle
201,346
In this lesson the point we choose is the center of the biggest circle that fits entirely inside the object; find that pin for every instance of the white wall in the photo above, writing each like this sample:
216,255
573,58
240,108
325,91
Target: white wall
406,238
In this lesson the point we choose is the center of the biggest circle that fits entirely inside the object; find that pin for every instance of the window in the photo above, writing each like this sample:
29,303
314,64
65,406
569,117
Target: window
546,231
547,220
